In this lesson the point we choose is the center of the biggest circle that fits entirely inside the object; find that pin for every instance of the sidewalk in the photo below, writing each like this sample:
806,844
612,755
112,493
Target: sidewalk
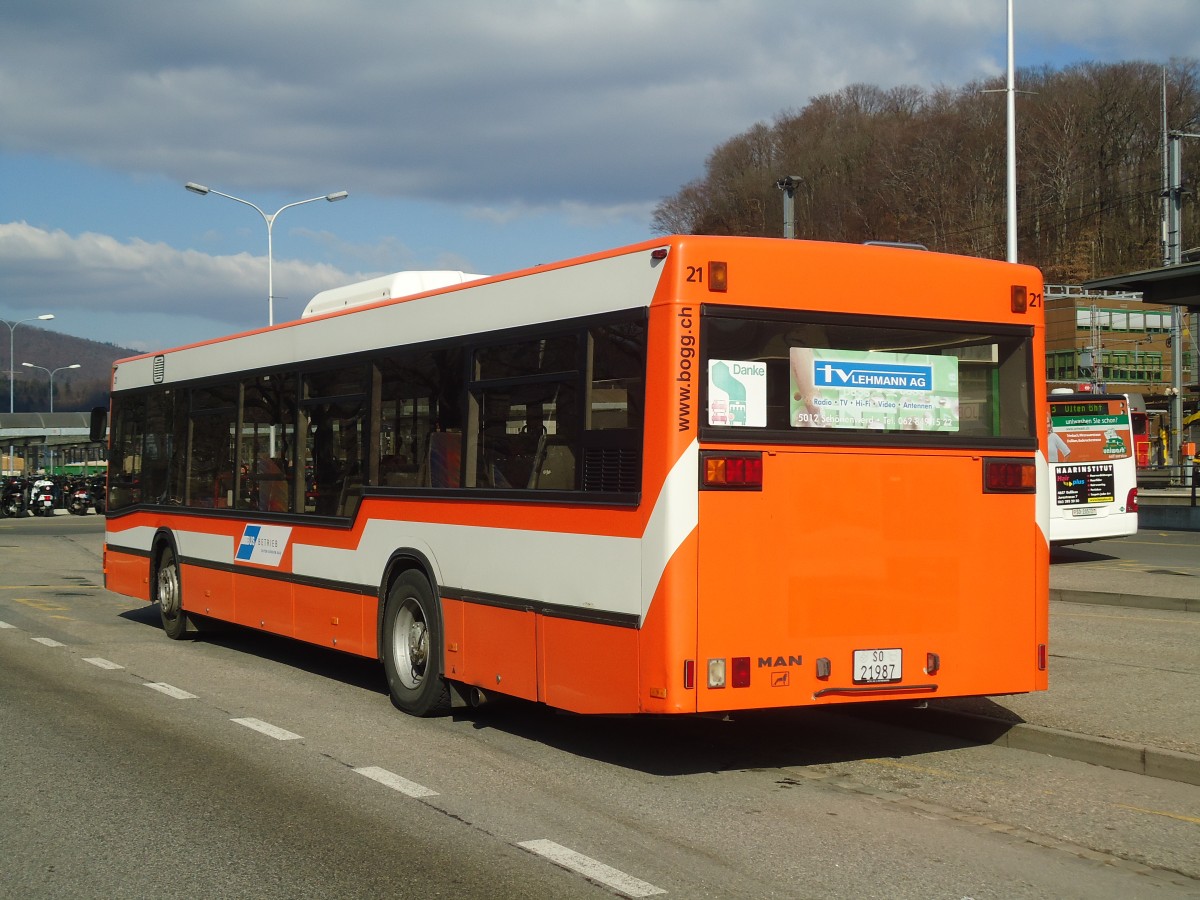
1108,704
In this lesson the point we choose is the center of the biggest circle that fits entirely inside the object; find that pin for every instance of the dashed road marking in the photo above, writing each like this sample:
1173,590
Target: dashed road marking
591,869
170,690
49,642
101,663
395,782
268,729
6,625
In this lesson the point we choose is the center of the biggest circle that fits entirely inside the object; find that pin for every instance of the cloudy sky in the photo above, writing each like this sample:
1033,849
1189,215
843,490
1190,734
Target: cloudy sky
483,135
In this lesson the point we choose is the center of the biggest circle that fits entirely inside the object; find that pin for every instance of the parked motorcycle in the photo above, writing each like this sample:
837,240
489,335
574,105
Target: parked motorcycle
44,497
99,485
12,497
80,497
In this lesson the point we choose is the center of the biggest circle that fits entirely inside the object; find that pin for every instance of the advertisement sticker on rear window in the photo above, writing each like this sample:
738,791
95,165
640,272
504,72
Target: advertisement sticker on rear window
737,393
865,389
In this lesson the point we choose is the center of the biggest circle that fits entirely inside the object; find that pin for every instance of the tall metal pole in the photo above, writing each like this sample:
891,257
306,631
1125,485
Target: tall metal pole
12,327
788,185
1012,145
1174,254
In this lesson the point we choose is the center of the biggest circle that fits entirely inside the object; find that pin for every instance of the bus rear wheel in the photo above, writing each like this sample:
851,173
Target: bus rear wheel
412,647
168,591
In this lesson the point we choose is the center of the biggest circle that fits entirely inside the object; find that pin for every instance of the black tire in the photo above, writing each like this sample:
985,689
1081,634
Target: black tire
412,647
168,593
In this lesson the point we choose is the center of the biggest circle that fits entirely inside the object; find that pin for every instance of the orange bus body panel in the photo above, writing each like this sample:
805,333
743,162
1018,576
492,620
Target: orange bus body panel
832,571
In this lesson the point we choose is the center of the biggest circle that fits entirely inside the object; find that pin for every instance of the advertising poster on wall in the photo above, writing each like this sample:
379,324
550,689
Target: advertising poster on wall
864,389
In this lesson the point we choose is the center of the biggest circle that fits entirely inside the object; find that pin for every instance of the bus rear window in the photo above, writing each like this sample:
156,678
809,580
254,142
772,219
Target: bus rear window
820,378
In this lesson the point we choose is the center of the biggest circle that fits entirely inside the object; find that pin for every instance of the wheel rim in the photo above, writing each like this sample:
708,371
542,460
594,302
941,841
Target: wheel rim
168,591
410,643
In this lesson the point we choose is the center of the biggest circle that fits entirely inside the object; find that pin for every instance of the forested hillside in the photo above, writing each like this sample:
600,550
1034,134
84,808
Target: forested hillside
929,166
75,390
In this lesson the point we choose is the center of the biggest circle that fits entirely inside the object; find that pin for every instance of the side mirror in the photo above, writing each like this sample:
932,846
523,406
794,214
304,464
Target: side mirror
98,433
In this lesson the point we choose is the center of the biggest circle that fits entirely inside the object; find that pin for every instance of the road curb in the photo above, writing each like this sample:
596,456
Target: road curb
1156,762
1135,601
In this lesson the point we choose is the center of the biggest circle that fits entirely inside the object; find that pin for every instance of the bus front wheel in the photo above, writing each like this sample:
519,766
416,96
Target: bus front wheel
412,647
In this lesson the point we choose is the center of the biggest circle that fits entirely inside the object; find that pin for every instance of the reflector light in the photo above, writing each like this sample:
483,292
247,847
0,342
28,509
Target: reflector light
1009,476
716,673
1131,501
689,674
718,276
933,662
1041,657
660,253
741,671
1020,298
740,471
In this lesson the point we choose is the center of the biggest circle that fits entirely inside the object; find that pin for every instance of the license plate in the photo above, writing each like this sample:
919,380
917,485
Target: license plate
1083,512
877,666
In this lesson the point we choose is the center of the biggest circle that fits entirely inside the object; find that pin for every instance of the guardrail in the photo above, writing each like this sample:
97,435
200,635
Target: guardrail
1184,479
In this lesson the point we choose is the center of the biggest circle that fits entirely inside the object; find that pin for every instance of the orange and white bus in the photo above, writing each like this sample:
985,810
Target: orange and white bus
695,474
1093,469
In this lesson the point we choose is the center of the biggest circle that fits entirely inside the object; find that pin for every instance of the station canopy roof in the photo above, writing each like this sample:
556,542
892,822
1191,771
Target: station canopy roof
1168,286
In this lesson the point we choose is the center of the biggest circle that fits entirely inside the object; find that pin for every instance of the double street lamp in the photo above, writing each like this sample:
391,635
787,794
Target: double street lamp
270,220
12,327
51,372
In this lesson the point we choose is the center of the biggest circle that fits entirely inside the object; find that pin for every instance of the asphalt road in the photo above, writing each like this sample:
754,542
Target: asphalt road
247,766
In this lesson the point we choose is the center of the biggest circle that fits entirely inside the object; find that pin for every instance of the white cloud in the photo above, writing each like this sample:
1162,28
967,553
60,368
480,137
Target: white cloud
94,273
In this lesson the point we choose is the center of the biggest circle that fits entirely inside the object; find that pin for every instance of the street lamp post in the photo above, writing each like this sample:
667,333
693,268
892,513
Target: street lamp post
12,327
51,373
270,220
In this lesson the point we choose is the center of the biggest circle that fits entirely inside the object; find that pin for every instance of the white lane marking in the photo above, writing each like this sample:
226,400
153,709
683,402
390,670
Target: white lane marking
591,869
395,782
49,642
6,625
101,663
170,691
268,729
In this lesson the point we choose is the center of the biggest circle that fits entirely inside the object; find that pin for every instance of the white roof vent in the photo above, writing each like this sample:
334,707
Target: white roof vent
386,287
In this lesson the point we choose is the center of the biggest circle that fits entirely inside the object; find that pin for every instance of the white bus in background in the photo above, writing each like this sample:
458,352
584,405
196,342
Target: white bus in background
1093,470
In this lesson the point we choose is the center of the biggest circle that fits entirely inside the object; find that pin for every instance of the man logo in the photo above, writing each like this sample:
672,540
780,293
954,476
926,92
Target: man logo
779,662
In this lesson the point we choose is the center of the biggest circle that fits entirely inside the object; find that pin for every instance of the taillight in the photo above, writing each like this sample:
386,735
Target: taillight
741,671
1131,501
1009,476
732,471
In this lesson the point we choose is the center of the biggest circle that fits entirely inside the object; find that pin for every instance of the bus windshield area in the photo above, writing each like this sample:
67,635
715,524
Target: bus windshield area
798,378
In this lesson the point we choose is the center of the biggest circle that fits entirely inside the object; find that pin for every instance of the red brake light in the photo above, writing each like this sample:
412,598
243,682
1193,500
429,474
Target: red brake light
741,671
1009,476
1131,501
